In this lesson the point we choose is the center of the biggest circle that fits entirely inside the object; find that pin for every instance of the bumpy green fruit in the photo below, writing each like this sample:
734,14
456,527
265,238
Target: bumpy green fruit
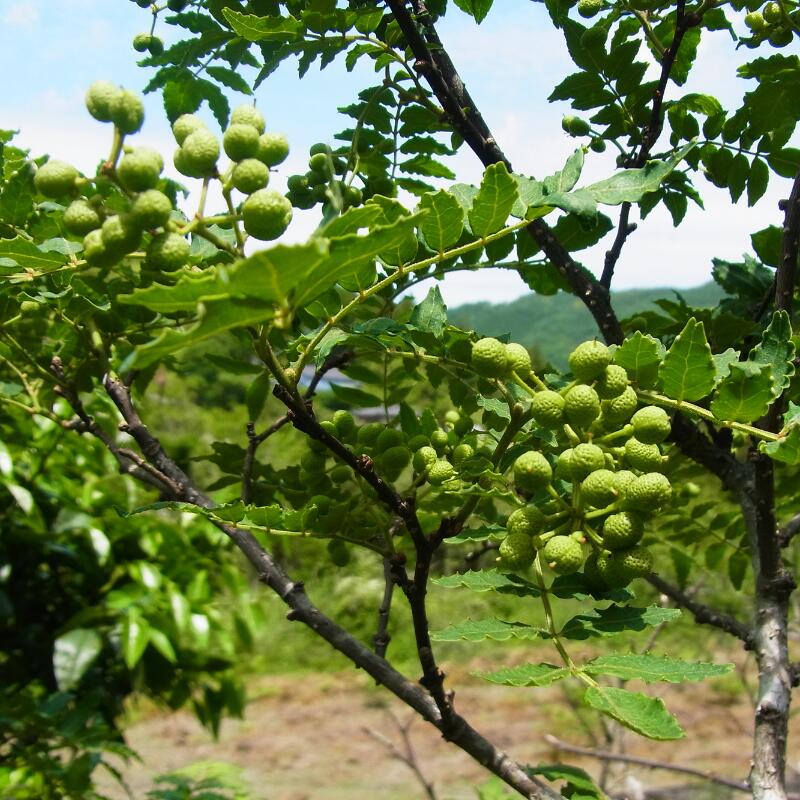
582,405
95,252
185,125
755,21
320,164
151,209
612,382
575,126
637,561
353,196
168,252
563,555
420,440
139,170
622,530
440,471
644,457
248,114
395,459
141,42
368,434
100,98
599,488
592,575
340,474
250,175
547,408
648,492
440,440
200,151
266,214
772,13
81,217
489,358
586,458
56,179
589,8
588,360
462,453
273,149
651,424
612,572
345,423
528,520
240,141
121,234
389,437
564,464
623,479
532,471
424,458
519,360
463,426
127,111
516,551
619,410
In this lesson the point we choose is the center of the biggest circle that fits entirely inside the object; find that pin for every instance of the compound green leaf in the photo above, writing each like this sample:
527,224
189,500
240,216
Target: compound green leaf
526,675
651,669
494,201
255,28
19,252
777,349
73,654
479,630
615,619
646,715
746,394
566,178
489,580
444,223
431,314
786,449
723,361
641,356
688,371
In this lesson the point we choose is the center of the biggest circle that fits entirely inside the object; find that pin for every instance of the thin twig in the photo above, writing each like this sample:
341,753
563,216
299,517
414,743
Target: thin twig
382,636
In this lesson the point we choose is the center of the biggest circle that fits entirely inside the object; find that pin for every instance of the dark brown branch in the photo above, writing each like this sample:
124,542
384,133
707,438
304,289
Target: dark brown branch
786,276
705,615
382,636
789,531
605,755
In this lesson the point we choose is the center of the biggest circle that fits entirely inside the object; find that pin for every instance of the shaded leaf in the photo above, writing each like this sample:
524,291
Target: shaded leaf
73,654
478,630
489,580
688,372
526,675
614,619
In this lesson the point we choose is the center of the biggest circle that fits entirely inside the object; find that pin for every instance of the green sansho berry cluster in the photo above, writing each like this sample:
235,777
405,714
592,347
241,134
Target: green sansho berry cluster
588,493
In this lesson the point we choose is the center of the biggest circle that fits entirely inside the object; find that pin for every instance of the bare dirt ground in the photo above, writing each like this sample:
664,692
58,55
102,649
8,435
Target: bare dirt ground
306,737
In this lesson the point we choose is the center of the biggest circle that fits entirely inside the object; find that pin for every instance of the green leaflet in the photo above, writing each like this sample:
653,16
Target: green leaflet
431,314
494,201
475,8
650,669
478,630
745,394
646,715
641,356
20,253
688,371
777,350
526,675
614,619
489,580
444,223
255,28
73,654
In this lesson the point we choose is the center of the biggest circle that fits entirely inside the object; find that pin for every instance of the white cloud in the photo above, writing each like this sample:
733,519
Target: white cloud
24,14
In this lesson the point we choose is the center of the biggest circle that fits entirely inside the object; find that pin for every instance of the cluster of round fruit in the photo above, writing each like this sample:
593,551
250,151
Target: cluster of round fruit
598,482
265,213
111,234
773,23
577,126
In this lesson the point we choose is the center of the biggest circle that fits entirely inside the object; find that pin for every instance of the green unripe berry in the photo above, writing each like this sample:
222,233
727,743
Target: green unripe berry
140,169
589,360
612,382
248,114
636,562
623,479
586,458
240,141
297,183
368,434
353,196
338,553
547,407
151,209
168,252
420,440
440,440
598,145
517,551
755,21
250,175
592,575
575,126
463,426
611,571
599,488
563,555
451,416
81,217
532,471
95,252
318,147
519,360
589,8
462,453
312,461
780,37
651,424
266,214
564,464
345,423
772,13
440,471
121,234
127,111
199,152
320,164
619,410
155,46
648,492
489,358
641,456
424,458
141,42
395,459
389,437
582,405
56,179
100,98
528,520
622,530
186,124
273,149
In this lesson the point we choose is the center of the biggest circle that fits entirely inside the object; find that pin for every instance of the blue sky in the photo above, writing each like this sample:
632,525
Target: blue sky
53,49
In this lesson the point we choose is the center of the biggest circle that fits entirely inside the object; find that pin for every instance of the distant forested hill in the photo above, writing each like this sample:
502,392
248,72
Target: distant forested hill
554,325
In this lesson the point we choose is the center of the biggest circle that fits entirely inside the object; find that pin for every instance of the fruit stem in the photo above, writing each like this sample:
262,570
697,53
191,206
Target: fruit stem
622,433
234,218
557,497
571,435
116,149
